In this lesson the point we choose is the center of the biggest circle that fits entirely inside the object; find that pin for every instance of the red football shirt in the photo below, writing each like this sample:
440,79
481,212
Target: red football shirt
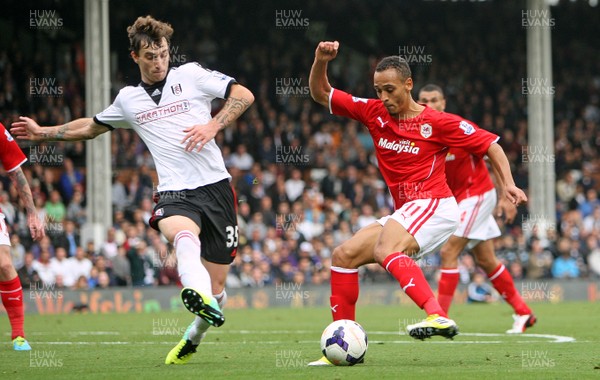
11,155
467,174
412,153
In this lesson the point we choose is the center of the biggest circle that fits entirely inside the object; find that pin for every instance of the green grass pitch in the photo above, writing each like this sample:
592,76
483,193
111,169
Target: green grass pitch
277,343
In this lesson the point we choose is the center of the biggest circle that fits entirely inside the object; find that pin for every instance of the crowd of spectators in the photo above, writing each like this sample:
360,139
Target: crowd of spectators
306,181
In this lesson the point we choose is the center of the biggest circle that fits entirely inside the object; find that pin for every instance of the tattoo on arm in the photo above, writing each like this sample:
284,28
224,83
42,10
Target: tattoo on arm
59,134
74,130
20,182
232,109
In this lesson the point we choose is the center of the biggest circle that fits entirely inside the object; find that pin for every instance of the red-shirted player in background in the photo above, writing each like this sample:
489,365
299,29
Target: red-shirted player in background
475,193
411,143
11,291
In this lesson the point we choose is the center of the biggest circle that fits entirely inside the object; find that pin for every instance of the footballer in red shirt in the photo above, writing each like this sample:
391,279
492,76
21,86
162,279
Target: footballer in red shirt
411,142
11,291
472,186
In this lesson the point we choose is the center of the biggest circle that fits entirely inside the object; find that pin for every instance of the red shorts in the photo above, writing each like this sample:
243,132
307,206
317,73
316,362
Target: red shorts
476,220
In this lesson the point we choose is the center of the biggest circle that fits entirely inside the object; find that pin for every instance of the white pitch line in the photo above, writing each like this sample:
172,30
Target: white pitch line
41,333
522,338
556,339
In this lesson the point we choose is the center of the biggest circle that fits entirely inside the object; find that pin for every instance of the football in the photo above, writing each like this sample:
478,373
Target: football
344,342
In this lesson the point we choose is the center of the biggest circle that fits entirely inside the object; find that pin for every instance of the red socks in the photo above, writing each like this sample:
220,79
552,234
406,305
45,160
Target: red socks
12,299
413,282
344,289
504,284
344,293
447,286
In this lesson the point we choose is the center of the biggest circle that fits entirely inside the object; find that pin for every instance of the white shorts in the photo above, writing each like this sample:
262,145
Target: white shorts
476,220
430,221
4,238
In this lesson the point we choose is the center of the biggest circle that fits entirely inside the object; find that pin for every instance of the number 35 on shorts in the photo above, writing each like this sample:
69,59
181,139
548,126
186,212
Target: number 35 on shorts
232,236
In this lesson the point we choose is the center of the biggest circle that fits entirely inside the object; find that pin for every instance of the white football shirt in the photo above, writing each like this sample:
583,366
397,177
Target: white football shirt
159,114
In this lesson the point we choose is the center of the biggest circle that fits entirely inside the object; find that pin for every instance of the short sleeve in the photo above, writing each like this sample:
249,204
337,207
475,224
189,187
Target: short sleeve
464,134
344,104
113,116
11,155
211,82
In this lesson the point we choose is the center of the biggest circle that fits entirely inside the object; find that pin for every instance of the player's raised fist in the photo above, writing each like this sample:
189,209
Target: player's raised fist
327,50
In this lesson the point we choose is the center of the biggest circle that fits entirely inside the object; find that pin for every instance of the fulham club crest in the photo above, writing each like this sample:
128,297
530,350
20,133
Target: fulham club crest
426,130
176,88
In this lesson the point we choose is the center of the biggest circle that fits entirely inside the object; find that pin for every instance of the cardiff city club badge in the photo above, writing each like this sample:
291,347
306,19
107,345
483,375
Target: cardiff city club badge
176,88
426,131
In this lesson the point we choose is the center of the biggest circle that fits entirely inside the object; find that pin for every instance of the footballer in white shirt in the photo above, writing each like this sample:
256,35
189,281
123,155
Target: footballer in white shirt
196,208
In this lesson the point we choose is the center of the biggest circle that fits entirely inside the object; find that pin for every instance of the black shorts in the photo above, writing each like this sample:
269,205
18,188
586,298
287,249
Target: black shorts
213,208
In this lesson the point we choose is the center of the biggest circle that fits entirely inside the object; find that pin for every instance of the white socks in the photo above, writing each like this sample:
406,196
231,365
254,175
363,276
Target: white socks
198,330
191,271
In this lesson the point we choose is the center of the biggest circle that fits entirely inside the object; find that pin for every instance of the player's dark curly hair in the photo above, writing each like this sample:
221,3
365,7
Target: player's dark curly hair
147,31
397,63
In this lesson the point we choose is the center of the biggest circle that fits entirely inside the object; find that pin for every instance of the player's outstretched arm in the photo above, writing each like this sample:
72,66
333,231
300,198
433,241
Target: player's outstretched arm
239,100
76,130
317,81
36,227
500,163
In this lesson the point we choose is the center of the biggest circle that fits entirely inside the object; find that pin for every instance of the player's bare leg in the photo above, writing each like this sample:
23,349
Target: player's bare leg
12,299
449,270
502,281
393,251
